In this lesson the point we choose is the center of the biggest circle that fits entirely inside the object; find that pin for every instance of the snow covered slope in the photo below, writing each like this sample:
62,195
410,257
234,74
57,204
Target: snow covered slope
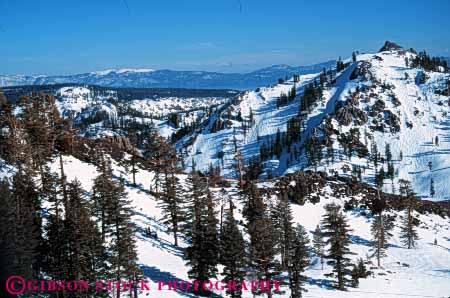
98,110
377,100
419,272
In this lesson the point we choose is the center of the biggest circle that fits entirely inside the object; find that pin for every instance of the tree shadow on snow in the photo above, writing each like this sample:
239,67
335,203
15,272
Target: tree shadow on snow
447,271
159,243
155,275
360,241
320,282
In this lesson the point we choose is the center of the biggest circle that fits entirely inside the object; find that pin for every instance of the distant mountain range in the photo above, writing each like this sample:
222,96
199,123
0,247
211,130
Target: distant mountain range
149,78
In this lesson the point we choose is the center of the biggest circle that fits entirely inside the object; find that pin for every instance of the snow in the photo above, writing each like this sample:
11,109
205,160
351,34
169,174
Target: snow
81,101
420,272
425,274
165,106
416,143
121,71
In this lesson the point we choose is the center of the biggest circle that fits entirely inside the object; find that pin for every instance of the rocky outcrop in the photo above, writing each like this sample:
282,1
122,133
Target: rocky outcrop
390,46
347,114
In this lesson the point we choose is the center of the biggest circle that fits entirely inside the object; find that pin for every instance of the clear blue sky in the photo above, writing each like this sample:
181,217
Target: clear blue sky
63,37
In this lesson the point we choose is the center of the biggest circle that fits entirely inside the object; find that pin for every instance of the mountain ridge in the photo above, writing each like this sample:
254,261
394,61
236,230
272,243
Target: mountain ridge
166,78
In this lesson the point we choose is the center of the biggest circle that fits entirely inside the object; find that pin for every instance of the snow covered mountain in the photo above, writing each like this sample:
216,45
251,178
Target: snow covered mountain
329,122
149,78
98,111
378,117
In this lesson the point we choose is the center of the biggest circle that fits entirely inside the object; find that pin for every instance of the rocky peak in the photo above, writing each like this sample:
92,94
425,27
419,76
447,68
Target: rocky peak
390,46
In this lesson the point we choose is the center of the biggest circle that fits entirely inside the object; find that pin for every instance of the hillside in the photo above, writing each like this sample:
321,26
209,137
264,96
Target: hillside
420,272
373,102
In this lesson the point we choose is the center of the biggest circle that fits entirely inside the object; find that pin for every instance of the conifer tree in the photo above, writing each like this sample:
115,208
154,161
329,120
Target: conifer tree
261,230
123,247
233,254
359,271
56,247
7,232
171,204
319,244
432,190
374,154
130,164
103,192
282,219
298,261
336,232
408,229
82,234
195,195
40,118
112,211
381,227
388,152
202,254
28,236
263,250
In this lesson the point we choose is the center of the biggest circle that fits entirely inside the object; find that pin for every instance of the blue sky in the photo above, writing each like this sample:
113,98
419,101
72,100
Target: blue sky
63,37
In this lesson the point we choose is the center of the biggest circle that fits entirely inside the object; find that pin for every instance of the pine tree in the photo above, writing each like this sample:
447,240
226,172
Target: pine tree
432,190
123,255
318,244
130,163
56,244
195,195
28,238
233,254
112,211
103,192
379,178
374,154
298,261
240,168
171,204
359,271
40,118
80,231
381,227
408,231
202,254
7,231
263,249
159,157
282,218
254,206
261,230
355,277
388,152
336,232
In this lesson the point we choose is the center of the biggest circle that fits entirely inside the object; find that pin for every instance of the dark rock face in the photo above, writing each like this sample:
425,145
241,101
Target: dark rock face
390,46
346,114
309,185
